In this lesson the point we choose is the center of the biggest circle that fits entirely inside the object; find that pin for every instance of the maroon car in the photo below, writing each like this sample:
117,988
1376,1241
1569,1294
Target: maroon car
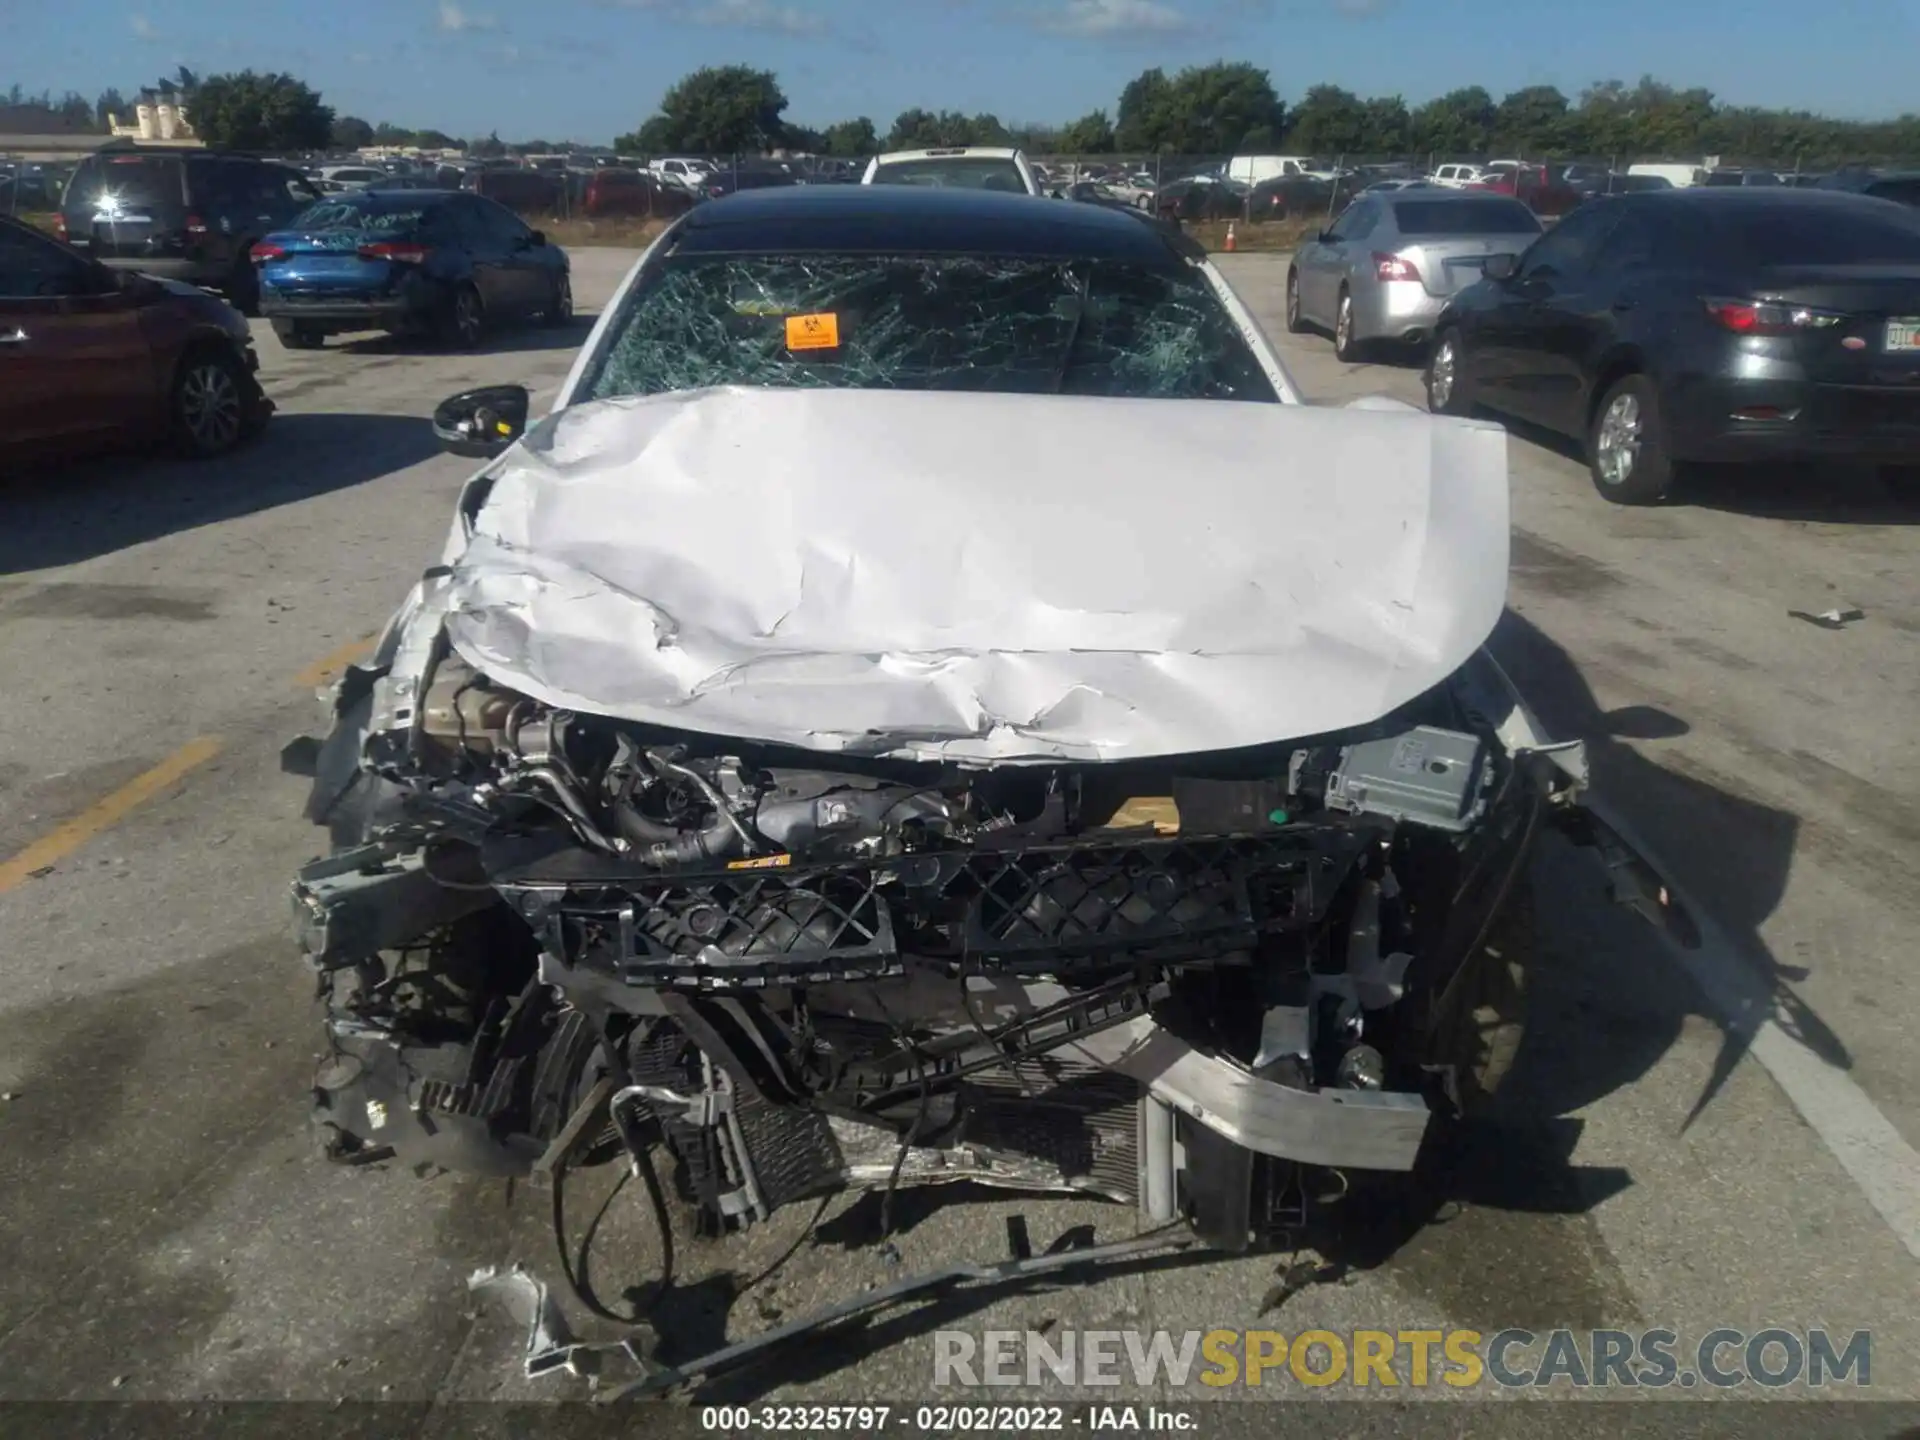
91,358
614,191
1543,188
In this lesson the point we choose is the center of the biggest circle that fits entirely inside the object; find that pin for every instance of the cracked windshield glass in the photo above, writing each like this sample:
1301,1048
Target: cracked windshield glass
929,323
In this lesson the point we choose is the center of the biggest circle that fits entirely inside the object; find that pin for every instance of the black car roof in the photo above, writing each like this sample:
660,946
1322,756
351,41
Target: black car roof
409,193
919,220
1758,198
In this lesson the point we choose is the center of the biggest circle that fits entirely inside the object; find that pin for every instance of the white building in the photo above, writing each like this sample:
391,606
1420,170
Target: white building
157,119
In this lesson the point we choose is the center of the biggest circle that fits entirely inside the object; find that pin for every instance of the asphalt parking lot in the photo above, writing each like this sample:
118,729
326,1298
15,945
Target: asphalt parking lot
1723,1141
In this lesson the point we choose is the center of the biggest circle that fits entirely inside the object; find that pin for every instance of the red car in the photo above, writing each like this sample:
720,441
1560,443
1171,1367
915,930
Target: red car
1543,189
92,358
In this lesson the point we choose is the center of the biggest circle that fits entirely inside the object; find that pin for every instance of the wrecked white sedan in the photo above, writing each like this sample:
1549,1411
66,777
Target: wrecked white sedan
931,704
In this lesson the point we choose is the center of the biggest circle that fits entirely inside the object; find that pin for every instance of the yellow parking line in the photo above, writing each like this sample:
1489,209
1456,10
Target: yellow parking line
328,666
63,840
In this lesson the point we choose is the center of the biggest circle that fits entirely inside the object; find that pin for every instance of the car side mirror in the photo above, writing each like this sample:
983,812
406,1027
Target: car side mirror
1501,267
537,237
479,424
1325,237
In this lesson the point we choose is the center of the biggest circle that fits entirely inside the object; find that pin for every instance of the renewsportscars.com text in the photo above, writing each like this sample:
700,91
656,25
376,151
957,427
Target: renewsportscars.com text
1771,1358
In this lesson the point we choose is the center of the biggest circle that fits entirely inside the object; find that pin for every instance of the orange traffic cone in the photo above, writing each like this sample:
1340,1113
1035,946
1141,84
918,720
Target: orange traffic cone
1230,244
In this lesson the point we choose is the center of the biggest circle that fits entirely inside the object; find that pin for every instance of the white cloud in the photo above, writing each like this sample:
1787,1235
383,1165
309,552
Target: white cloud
762,15
143,27
756,15
455,19
1115,17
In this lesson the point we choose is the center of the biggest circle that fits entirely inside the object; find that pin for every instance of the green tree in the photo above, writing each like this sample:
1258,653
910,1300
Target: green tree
918,129
249,111
1091,134
1531,121
1458,123
851,139
350,132
491,148
1329,121
75,109
1205,109
1389,126
181,85
655,137
110,102
1143,105
717,110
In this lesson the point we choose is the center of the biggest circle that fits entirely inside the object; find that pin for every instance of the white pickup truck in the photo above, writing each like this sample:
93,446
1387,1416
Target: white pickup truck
688,174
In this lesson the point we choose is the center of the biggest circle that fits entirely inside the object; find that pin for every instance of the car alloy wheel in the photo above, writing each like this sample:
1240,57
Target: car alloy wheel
1616,444
1343,328
212,412
561,310
1293,303
466,318
1441,373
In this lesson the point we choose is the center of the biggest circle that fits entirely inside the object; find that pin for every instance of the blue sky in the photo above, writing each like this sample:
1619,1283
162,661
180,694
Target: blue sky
587,69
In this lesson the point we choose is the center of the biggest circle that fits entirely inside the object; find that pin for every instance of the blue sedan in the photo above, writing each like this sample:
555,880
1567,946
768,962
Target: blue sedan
438,262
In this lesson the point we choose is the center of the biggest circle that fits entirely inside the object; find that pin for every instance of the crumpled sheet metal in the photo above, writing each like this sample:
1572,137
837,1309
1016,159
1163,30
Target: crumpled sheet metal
984,577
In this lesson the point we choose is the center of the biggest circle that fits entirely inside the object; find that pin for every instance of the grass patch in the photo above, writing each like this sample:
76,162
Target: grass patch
631,233
1274,235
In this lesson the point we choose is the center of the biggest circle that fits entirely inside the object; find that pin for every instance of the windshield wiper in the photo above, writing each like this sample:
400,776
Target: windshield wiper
1073,335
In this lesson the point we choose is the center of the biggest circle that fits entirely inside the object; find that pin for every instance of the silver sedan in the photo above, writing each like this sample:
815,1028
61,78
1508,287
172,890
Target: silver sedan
1384,269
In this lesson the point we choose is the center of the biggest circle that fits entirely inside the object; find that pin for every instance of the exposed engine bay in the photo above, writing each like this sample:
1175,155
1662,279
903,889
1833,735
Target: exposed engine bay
1182,985
829,837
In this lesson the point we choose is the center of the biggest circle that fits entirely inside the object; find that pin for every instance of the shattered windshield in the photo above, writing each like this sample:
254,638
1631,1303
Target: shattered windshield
1070,327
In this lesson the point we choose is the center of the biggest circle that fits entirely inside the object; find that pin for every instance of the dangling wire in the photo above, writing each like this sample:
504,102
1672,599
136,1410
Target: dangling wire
908,1140
641,1163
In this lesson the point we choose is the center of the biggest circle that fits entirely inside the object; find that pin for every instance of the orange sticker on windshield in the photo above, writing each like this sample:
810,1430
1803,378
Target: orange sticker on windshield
813,332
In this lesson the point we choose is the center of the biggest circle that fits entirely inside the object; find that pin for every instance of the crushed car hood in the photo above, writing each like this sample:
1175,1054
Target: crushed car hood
983,578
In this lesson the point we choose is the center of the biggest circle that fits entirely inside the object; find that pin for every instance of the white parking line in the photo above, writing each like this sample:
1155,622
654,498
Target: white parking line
1864,1141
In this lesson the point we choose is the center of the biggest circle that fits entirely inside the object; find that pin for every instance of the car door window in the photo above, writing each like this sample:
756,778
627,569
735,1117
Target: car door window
1642,238
465,223
212,184
502,226
1357,223
289,189
1568,249
32,268
439,225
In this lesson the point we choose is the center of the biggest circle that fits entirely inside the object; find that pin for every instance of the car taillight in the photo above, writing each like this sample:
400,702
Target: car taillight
404,252
59,225
266,251
1393,267
1763,317
195,225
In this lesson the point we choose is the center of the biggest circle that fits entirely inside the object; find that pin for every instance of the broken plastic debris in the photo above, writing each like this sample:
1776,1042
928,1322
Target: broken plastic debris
1829,619
550,1343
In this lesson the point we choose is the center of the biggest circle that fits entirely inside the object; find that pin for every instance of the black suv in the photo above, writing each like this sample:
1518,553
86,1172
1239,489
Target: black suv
181,213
